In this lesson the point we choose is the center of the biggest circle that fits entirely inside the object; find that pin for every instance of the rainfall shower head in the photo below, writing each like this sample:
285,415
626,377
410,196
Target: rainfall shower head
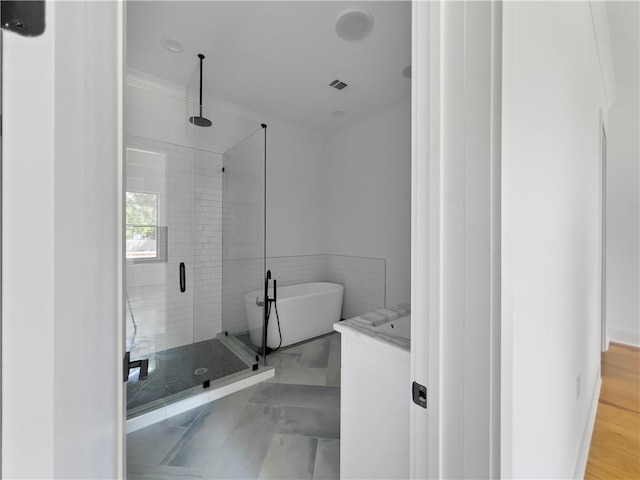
200,121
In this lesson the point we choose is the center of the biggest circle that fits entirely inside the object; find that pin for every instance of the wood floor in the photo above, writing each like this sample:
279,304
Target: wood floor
615,445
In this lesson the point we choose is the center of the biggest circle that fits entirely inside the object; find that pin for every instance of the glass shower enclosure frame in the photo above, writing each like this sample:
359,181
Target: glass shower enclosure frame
195,245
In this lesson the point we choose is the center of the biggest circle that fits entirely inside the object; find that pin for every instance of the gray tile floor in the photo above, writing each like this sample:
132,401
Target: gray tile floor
287,428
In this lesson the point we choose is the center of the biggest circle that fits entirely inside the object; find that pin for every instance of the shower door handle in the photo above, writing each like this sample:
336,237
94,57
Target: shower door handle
183,278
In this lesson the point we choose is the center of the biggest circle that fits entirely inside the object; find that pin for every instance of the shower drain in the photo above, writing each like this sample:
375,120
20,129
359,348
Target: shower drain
201,371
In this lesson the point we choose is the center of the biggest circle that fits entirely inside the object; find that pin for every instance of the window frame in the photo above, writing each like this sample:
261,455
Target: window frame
160,236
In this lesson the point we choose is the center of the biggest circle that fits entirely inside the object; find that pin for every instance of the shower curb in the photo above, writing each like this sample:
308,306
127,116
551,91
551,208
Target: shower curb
181,406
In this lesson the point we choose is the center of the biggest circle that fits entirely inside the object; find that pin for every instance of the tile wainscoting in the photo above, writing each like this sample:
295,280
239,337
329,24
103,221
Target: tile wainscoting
363,278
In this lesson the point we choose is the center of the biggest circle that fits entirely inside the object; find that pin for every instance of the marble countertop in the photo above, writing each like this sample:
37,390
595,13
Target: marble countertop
367,325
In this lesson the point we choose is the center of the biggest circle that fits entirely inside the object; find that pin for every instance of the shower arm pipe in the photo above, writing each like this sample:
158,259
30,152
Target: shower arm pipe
201,57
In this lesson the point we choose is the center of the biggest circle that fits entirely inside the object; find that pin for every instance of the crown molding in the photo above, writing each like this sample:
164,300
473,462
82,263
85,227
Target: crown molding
138,79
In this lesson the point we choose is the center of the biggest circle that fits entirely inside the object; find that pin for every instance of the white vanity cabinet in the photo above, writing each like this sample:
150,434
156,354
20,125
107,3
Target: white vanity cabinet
375,401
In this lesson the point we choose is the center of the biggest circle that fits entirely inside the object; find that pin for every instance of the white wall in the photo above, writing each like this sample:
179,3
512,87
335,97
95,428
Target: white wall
623,185
296,190
156,114
368,194
552,95
61,371
318,200
295,156
207,245
27,213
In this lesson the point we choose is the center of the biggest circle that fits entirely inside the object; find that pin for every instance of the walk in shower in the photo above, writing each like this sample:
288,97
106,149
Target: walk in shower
194,242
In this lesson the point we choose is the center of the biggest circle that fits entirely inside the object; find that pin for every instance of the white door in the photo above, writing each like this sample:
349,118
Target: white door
61,334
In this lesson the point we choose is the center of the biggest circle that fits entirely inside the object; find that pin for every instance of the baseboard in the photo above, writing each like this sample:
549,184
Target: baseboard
582,456
626,337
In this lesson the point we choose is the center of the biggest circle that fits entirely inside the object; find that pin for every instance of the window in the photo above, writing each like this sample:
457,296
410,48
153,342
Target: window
146,241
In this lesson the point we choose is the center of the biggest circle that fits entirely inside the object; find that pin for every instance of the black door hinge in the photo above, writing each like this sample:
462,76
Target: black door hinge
419,394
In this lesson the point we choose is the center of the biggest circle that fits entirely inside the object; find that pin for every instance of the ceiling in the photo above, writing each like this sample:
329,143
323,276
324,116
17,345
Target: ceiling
278,57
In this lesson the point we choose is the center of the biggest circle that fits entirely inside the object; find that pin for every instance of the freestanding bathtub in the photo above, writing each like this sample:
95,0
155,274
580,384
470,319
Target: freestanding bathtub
306,310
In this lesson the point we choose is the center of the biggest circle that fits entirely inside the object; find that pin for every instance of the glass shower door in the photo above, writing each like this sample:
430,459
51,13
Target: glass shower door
159,272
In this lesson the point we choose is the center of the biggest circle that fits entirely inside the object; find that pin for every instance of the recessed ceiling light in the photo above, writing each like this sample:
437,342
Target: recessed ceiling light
354,25
338,113
172,44
406,71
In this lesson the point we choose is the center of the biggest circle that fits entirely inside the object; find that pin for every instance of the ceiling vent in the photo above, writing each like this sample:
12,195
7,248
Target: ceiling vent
338,84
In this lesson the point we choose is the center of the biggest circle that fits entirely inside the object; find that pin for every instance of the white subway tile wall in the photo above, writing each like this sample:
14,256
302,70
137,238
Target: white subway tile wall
207,255
364,281
190,190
